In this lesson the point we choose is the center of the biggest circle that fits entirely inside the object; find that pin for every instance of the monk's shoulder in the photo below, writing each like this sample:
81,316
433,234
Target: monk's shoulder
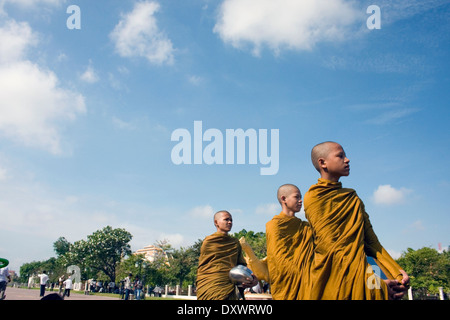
348,190
271,223
210,240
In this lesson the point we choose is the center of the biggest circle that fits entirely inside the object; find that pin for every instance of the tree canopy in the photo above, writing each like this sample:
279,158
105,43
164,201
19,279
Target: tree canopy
256,240
427,268
101,252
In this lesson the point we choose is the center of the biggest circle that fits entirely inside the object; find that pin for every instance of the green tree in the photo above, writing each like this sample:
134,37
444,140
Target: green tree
196,247
133,264
52,266
257,241
61,246
182,262
101,252
427,268
29,269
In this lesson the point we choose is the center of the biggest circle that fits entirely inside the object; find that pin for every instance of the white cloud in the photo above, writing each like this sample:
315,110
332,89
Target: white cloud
382,113
414,228
122,124
386,194
284,24
33,105
393,11
27,208
175,239
137,35
89,76
270,209
417,226
394,254
195,80
203,212
16,38
3,174
31,3
393,115
30,210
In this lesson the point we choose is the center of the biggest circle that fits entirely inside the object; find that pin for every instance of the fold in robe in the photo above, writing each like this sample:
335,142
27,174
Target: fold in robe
343,235
289,257
218,254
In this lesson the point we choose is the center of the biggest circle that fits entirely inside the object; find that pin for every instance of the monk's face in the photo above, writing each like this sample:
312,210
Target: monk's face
224,222
337,163
293,200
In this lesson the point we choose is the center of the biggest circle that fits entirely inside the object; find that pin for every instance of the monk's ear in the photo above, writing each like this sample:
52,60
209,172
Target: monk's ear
322,163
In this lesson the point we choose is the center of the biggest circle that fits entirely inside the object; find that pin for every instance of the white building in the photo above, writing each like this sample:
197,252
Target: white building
151,253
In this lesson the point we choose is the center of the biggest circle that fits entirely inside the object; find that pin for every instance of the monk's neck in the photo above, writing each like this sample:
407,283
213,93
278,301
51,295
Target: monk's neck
331,178
288,213
222,232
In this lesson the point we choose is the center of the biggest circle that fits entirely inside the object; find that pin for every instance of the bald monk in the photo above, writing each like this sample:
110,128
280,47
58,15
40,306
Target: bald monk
219,253
289,248
343,236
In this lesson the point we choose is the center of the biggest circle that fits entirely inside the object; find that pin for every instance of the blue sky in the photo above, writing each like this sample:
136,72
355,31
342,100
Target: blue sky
86,115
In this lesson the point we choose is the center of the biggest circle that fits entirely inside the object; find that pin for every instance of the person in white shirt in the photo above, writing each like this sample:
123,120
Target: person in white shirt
43,281
30,282
128,286
4,279
68,287
61,283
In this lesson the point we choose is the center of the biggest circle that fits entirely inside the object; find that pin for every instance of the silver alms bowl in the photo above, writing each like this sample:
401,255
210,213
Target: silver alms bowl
240,274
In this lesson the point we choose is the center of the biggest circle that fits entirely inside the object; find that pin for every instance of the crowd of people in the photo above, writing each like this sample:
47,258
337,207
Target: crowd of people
126,288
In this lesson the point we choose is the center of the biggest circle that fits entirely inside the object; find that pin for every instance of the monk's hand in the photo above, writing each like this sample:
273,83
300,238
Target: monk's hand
405,279
395,289
250,283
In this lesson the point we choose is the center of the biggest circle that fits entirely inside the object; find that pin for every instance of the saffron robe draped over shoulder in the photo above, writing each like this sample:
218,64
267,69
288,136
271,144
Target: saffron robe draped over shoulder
343,236
218,254
289,257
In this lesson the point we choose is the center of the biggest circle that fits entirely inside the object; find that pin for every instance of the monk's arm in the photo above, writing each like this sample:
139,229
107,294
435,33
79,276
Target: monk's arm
279,253
373,248
241,259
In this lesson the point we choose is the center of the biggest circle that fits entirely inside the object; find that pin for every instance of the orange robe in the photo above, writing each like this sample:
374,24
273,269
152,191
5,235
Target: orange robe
289,257
218,254
343,235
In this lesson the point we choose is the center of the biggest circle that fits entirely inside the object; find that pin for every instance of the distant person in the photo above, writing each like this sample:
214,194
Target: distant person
68,285
30,282
122,289
4,279
343,236
43,282
218,255
137,288
111,287
61,284
127,285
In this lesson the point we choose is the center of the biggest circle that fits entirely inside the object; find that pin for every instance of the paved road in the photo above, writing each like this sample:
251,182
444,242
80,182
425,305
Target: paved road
32,294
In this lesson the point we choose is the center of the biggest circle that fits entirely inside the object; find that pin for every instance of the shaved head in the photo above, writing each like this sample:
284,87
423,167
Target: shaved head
286,190
223,221
218,214
320,150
